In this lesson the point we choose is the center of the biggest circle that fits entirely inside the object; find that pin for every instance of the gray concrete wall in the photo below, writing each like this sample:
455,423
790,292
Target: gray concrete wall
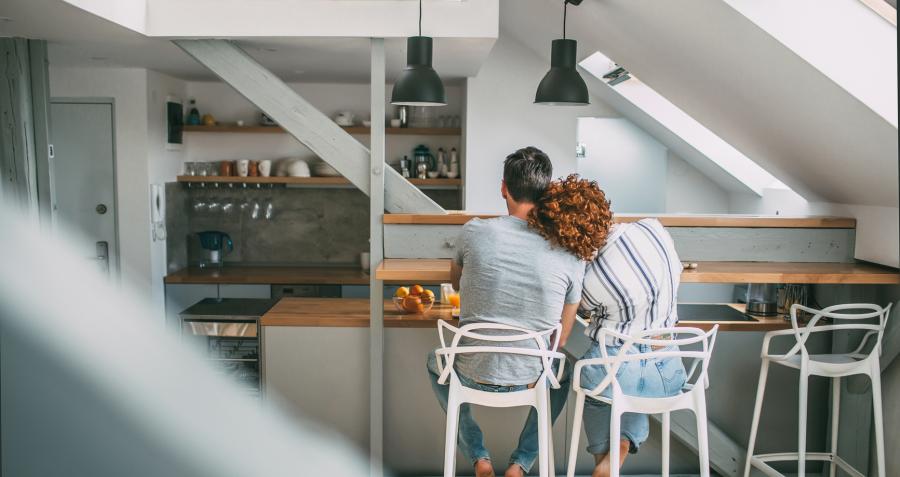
692,243
309,226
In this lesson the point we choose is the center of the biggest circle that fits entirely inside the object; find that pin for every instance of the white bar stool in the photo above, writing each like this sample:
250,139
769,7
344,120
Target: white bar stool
832,366
537,397
693,395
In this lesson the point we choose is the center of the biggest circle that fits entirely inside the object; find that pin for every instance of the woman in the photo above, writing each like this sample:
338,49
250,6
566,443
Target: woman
630,286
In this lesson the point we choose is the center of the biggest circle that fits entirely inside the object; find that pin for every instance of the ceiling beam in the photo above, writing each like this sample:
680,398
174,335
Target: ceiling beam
306,123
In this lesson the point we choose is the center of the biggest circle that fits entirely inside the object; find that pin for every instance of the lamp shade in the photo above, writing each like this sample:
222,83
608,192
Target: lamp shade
562,85
419,84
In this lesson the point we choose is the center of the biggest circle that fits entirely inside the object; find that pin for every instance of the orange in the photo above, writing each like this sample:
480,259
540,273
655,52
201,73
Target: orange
401,292
412,304
416,290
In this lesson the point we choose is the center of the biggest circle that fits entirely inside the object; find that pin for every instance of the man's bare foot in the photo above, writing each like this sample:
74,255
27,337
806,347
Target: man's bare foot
514,470
483,468
602,468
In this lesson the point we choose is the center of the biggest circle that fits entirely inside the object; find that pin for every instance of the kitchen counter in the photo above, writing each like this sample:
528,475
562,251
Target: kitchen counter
438,270
247,275
354,313
347,312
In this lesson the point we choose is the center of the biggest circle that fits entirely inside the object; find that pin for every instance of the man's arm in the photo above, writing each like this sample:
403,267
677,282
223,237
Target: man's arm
568,322
455,274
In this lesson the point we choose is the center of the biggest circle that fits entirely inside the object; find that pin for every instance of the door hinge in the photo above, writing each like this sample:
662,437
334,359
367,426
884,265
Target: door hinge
51,153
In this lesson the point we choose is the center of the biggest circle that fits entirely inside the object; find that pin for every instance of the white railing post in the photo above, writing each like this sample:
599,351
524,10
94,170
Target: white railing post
376,254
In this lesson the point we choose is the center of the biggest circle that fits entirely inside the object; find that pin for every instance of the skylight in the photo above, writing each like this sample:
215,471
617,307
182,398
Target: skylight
729,159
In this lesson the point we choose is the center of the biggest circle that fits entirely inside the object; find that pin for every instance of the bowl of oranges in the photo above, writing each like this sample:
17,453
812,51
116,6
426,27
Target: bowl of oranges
414,299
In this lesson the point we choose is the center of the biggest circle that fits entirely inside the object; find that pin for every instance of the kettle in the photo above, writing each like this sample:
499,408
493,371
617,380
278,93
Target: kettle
423,160
214,243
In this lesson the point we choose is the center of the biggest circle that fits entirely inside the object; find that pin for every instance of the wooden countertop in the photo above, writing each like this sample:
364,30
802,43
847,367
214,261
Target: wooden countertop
750,221
270,275
399,270
346,312
791,272
354,313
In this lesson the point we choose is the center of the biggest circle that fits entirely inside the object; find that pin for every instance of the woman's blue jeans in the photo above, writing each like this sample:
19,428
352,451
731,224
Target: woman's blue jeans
645,377
471,439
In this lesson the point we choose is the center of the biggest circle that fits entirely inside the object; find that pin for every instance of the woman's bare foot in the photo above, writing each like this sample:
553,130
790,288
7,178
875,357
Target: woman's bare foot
483,468
514,470
602,468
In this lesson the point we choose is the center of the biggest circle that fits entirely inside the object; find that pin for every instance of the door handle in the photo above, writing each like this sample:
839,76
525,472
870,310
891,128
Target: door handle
103,255
101,209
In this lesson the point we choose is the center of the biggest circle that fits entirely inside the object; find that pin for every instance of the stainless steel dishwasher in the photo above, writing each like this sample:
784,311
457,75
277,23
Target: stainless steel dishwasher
227,332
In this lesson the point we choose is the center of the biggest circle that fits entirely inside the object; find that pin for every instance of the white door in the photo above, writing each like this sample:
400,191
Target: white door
84,179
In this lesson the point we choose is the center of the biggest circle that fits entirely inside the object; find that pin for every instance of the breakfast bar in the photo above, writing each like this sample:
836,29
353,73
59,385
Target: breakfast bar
721,253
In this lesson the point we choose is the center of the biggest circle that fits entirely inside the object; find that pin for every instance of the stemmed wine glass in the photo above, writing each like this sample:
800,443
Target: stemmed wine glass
270,208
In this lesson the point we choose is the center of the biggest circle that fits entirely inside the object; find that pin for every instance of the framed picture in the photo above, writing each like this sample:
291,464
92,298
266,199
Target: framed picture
174,123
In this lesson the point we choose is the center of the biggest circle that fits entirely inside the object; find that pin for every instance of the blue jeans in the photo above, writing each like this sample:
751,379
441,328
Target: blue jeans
471,440
645,377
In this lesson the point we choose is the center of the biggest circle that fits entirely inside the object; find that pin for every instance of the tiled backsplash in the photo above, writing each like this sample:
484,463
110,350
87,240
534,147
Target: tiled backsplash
327,226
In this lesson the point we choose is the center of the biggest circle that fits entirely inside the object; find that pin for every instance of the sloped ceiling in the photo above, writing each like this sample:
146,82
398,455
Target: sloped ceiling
739,82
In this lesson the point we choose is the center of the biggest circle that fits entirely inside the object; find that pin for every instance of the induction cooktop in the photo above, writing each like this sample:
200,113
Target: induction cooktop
710,312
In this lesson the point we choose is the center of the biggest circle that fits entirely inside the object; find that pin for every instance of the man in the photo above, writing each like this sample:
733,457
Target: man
508,274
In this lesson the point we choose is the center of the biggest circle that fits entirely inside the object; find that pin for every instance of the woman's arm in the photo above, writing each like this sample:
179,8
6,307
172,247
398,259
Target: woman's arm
568,322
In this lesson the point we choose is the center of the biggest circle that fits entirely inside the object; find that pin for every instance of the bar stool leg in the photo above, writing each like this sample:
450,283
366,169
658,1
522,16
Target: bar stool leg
757,410
451,435
801,427
550,457
543,417
615,435
878,417
835,422
665,443
702,437
576,433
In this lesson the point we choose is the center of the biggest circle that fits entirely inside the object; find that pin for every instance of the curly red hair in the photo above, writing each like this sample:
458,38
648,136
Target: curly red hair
574,214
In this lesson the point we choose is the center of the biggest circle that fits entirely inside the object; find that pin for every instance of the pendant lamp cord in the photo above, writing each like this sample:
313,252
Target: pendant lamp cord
420,17
565,8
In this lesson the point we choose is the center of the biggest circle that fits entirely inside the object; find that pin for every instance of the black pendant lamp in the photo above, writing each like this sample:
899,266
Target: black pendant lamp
419,84
563,85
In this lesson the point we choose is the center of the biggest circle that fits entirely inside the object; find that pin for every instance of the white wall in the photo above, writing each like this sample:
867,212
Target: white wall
501,118
627,163
163,164
689,191
128,88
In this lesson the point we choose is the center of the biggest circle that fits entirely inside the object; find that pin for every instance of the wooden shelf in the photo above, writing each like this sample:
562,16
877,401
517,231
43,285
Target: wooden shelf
399,270
264,180
350,129
748,221
270,275
317,181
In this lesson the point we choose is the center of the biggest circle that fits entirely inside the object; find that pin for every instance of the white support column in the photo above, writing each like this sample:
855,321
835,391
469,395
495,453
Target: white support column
306,123
376,250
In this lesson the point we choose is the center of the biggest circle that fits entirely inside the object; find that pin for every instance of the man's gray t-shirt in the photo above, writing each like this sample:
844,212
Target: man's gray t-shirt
511,275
